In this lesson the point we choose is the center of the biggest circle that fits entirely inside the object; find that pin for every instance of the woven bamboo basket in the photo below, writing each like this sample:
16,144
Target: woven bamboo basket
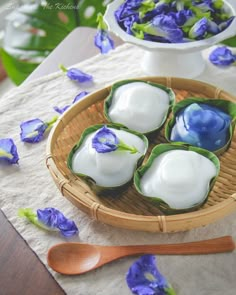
131,211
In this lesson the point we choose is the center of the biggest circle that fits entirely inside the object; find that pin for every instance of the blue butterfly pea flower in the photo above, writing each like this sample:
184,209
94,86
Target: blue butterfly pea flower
163,8
66,107
126,9
61,110
80,96
68,228
212,27
199,29
8,151
102,40
144,278
224,25
205,5
106,141
222,56
128,23
54,219
76,74
32,131
162,26
184,17
203,126
50,219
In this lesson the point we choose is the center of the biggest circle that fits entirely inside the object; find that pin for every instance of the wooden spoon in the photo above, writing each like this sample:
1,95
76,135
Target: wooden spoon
77,258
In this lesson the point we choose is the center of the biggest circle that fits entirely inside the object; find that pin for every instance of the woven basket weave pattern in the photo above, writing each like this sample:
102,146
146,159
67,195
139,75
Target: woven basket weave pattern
131,210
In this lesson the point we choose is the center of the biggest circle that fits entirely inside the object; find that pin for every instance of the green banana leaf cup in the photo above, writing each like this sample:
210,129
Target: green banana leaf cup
156,200
106,190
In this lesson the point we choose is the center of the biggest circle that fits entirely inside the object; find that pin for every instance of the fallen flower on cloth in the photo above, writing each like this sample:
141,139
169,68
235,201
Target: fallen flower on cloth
222,56
102,40
50,219
143,278
76,74
32,131
105,141
77,98
8,151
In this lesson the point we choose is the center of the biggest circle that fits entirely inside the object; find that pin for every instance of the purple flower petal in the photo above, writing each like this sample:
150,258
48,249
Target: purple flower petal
50,217
103,41
78,75
199,29
163,26
8,151
183,17
162,8
206,5
80,95
212,27
222,56
54,219
105,141
126,9
61,110
66,107
224,25
143,277
32,131
68,228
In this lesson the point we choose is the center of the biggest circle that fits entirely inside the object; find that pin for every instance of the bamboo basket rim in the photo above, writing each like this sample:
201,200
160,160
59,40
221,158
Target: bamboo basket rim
95,209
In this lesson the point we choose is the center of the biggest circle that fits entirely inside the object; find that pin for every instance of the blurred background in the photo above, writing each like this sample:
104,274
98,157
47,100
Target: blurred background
31,29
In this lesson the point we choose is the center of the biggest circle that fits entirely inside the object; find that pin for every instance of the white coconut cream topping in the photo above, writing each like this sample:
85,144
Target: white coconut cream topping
108,169
139,106
180,178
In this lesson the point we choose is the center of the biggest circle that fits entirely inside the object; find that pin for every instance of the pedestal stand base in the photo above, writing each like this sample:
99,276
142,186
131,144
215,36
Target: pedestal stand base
183,65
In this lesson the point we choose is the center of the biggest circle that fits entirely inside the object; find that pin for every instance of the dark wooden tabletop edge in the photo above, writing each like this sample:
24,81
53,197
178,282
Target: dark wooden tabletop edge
21,270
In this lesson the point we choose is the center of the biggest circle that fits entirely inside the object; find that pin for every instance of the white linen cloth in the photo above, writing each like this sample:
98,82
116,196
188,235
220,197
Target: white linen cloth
30,185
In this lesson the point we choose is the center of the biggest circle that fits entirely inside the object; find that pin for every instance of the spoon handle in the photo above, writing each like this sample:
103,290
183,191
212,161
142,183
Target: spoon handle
217,245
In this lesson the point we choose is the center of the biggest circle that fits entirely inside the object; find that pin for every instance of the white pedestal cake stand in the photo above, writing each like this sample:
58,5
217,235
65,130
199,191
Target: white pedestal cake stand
171,59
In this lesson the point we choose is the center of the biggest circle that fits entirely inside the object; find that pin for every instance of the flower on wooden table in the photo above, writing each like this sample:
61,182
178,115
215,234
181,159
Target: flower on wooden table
32,131
50,219
102,40
222,56
143,278
8,151
76,74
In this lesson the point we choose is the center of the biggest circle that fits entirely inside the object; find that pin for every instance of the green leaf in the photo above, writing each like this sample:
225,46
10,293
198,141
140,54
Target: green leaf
17,70
156,152
88,10
227,106
32,32
230,42
116,85
102,190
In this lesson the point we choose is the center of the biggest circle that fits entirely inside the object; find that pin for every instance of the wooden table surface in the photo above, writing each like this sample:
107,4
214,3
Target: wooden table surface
21,272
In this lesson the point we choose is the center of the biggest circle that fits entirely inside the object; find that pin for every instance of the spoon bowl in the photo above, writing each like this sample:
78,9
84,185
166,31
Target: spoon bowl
78,258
